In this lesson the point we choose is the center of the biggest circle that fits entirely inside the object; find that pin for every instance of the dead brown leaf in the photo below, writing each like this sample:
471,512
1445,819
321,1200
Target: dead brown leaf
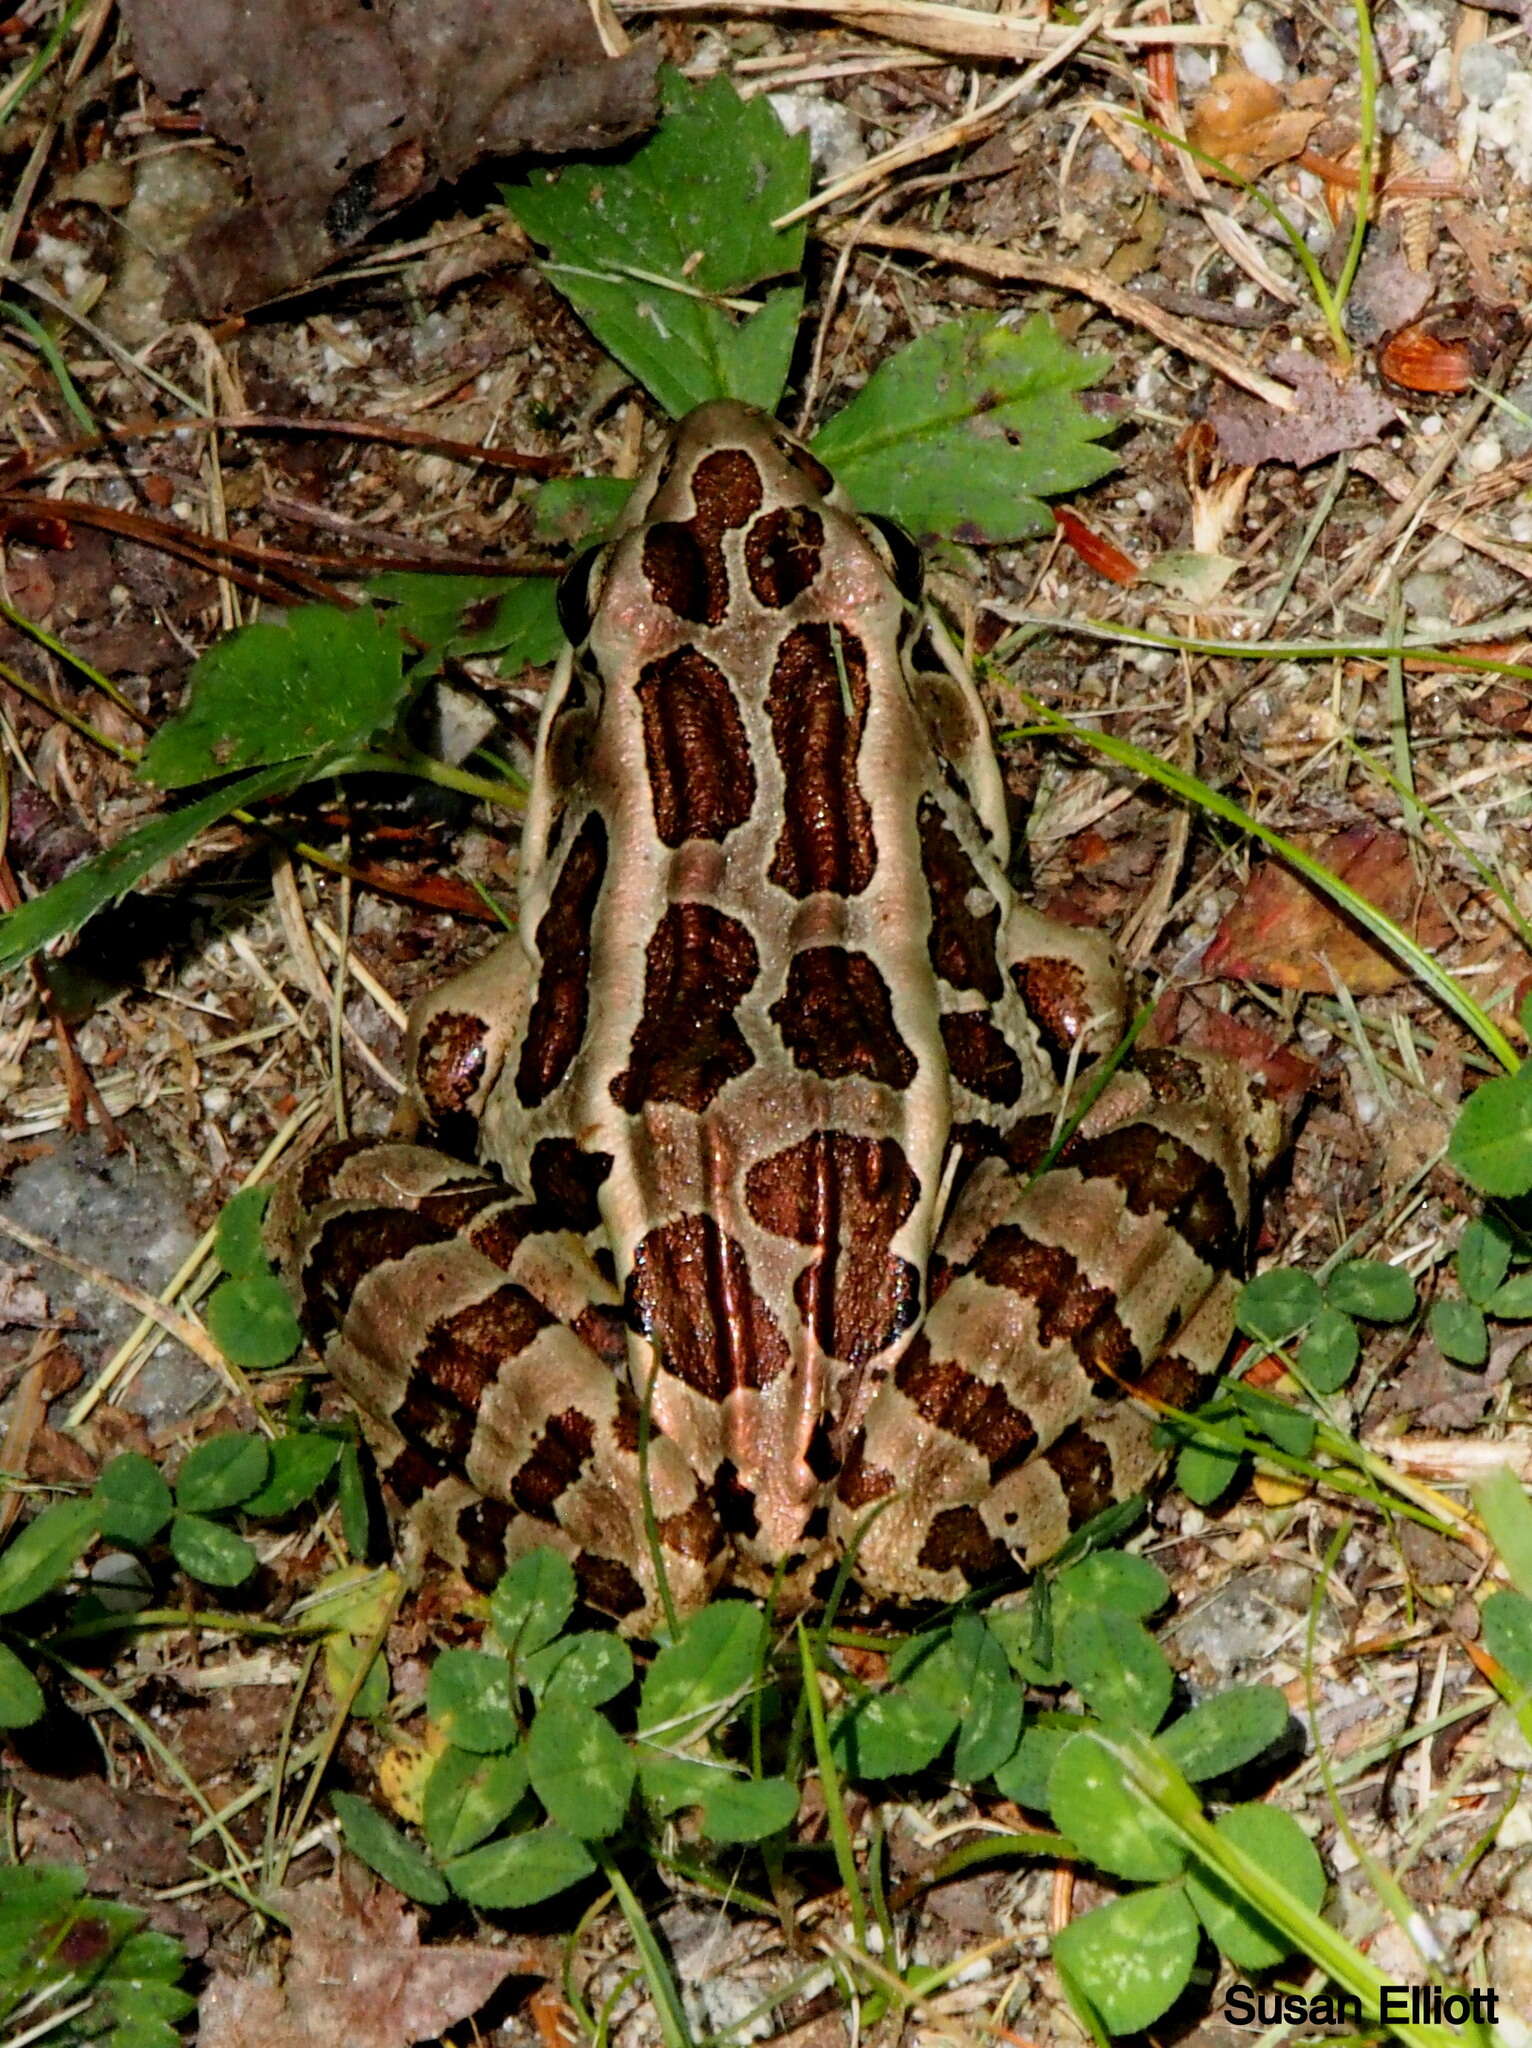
1335,414
356,1973
1282,934
346,110
1247,124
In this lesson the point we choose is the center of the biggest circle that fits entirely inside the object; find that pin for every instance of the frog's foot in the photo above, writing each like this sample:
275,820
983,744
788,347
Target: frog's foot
1064,1306
490,1355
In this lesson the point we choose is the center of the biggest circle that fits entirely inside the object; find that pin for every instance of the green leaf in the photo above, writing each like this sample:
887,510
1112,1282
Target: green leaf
1491,1142
316,680
579,510
1277,1305
222,1472
1506,1619
748,1809
520,1869
21,1699
355,1505
1224,1732
132,1500
468,1695
963,1671
1112,1578
1328,1355
210,1551
1205,1470
1287,1427
46,1552
1460,1331
237,1242
69,904
1368,1288
253,1321
301,1462
1512,1302
467,1797
512,616
1024,1776
1091,1802
715,1660
1502,1504
589,1667
667,1783
968,428
642,248
890,1734
1483,1258
581,1769
1117,1668
383,1849
1132,1959
1286,1855
533,1601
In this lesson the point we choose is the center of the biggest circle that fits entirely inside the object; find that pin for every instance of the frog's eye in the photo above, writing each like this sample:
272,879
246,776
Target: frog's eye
904,560
575,598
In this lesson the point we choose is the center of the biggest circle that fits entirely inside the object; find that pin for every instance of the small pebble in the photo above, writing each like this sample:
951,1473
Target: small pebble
1484,456
1483,70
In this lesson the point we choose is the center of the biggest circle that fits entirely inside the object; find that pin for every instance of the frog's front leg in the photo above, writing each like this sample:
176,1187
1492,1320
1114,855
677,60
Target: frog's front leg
1057,1296
1070,982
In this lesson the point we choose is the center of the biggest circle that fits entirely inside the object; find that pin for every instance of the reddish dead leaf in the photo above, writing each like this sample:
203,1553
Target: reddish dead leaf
388,100
1449,349
356,1974
1334,415
1248,124
1282,934
1183,1018
1104,556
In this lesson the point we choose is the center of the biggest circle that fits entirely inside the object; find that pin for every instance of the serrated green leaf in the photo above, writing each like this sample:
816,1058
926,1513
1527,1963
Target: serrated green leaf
667,1783
1117,1668
1224,1732
1491,1142
1024,1776
966,430
383,1849
580,1769
643,247
533,1601
238,1244
468,1696
520,1869
717,1658
1483,1258
512,616
132,1499
1460,1331
1130,1960
253,1321
1277,1305
210,1551
222,1472
963,1671
318,680
1328,1355
748,1809
467,1797
1091,1801
1112,1578
69,904
1369,1288
301,1462
46,1552
21,1699
1285,1853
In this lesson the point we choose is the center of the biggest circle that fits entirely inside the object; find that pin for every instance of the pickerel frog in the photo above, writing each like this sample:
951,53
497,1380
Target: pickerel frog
761,1088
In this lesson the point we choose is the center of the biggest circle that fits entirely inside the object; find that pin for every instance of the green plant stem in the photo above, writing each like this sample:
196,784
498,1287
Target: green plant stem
408,761
662,1985
1367,63
830,1785
23,83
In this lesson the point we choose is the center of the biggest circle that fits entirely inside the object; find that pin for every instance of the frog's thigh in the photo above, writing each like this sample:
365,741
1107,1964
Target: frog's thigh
1006,1423
486,1349
1068,979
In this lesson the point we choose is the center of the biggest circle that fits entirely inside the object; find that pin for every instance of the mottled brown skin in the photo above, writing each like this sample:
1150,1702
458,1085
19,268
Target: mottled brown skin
761,1085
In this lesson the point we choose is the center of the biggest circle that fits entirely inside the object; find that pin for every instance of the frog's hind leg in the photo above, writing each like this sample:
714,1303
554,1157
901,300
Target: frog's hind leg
490,1355
1056,1298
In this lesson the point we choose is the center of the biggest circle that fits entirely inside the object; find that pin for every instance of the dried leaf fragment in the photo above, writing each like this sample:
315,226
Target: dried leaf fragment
1335,414
1247,124
1283,934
